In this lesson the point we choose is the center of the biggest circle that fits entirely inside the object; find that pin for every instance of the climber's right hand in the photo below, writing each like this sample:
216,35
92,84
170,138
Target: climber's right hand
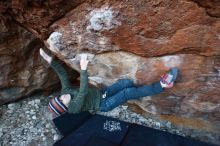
84,62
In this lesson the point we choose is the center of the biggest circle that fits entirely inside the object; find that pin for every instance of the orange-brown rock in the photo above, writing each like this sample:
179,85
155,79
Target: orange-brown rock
22,70
37,15
143,39
212,7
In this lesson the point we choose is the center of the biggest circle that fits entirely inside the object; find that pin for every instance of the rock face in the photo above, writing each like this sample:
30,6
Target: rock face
22,70
37,15
141,40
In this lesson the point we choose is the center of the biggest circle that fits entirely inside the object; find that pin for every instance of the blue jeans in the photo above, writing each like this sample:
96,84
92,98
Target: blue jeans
123,90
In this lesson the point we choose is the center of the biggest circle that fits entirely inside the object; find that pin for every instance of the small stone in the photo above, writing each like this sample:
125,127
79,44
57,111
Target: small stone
37,101
54,131
124,107
5,143
47,125
168,125
30,102
10,111
33,130
158,125
32,112
44,138
34,117
26,109
56,137
5,130
11,106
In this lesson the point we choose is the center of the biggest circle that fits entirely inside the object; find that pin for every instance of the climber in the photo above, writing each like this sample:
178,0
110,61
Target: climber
84,98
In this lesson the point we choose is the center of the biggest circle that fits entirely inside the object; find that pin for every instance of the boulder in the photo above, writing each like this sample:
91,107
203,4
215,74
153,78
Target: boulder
139,40
22,70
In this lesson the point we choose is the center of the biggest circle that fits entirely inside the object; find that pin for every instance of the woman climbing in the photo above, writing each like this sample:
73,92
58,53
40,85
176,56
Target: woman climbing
84,98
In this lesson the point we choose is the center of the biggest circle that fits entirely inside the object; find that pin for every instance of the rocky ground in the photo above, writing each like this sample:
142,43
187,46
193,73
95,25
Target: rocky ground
28,123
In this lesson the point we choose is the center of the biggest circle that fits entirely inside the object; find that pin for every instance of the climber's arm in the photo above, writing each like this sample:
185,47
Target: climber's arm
57,67
78,101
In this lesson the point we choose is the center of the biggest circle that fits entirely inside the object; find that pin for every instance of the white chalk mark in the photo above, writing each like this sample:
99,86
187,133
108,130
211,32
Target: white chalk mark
55,41
218,35
171,61
102,19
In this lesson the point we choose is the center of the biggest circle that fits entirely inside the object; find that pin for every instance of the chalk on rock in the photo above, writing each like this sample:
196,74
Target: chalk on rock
77,58
55,41
96,79
102,19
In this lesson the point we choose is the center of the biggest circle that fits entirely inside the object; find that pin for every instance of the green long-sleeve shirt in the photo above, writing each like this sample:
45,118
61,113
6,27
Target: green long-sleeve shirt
82,98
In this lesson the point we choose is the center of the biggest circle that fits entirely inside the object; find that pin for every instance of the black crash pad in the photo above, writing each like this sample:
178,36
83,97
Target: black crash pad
98,126
67,123
143,136
97,130
96,141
